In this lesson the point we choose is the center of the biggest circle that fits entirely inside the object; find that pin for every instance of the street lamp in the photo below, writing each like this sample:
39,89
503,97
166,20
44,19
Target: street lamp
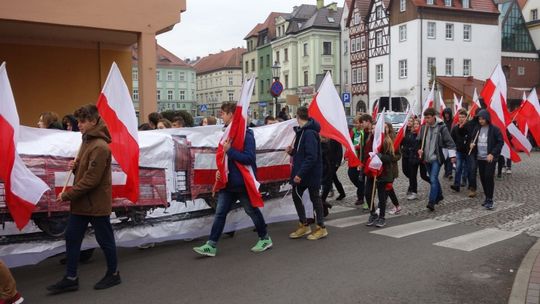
276,86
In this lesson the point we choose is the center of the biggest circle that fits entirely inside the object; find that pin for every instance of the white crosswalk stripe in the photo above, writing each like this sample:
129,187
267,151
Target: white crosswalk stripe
348,221
404,230
478,239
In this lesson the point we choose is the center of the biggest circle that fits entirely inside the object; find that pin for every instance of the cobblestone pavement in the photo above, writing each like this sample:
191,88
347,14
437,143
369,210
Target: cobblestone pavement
517,199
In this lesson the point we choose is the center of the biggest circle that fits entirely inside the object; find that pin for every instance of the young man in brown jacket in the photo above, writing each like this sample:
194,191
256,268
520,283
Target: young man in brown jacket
91,201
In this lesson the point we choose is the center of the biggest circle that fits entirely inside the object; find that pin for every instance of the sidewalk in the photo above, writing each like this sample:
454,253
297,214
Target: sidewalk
526,288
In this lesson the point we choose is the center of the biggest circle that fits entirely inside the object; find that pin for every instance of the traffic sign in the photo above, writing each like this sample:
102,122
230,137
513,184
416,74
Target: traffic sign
346,97
203,108
276,88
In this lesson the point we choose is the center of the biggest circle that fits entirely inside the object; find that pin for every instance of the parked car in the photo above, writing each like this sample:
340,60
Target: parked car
397,119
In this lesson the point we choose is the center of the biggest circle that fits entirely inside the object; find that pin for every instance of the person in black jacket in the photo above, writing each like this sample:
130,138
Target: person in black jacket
486,147
448,119
472,163
411,162
332,154
459,135
306,174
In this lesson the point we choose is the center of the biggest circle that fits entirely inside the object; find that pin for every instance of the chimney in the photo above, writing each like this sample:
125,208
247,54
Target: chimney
320,4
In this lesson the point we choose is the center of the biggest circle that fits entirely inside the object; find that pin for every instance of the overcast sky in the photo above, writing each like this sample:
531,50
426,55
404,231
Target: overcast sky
208,26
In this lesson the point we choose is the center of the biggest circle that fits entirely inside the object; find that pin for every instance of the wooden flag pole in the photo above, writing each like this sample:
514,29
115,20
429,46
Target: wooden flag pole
473,142
373,193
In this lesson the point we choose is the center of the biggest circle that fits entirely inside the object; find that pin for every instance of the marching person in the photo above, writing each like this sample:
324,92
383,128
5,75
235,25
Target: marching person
396,156
235,190
459,135
332,154
8,287
355,174
472,163
91,201
486,147
448,119
433,137
306,174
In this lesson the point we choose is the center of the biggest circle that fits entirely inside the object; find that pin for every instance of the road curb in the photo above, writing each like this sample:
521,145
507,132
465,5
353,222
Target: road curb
521,282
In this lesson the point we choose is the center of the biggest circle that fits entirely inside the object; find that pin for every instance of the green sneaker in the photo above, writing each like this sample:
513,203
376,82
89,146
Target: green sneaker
206,249
262,245
365,206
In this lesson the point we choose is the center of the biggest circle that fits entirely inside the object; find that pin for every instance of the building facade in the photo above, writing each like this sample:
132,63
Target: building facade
307,45
219,79
175,83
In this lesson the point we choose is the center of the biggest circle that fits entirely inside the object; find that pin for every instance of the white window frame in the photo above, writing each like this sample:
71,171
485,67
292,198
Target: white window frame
181,76
306,49
346,76
430,2
364,75
467,31
521,70
403,69
170,75
402,5
329,43
378,38
362,42
135,94
429,65
158,93
170,94
534,14
354,77
356,18
135,75
448,3
402,33
449,31
379,12
231,81
449,67
467,63
466,4
353,45
433,32
158,75
379,76
231,96
346,47
182,95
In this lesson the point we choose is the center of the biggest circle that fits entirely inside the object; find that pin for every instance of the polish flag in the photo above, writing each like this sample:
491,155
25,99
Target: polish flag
374,164
442,106
401,132
326,108
236,133
375,110
528,117
116,108
428,103
475,104
458,104
494,93
515,113
22,188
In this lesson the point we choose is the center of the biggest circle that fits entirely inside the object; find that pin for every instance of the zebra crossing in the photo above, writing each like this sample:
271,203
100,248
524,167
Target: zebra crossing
467,242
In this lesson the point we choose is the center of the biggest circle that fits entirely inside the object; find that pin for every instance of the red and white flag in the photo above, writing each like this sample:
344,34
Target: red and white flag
236,133
375,110
428,103
458,104
374,164
327,109
116,108
442,106
475,104
528,118
22,188
401,132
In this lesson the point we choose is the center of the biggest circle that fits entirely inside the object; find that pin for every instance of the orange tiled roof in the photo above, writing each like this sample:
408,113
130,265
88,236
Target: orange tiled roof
254,31
465,86
163,57
231,59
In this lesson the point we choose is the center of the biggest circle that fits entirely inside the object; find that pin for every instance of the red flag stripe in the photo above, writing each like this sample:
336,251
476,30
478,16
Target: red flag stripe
124,148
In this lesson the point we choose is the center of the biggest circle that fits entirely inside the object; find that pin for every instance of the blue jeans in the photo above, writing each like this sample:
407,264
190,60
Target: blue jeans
225,200
461,168
435,192
75,231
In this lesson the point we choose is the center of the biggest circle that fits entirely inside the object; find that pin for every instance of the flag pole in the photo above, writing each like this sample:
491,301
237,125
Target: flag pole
473,142
424,138
373,194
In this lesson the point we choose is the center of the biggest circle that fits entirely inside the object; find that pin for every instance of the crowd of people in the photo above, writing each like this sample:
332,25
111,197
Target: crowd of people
429,144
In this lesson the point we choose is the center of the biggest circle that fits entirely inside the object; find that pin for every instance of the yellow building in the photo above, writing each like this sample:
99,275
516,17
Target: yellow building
58,53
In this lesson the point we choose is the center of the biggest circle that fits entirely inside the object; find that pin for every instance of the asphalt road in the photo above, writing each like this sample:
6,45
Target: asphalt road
352,265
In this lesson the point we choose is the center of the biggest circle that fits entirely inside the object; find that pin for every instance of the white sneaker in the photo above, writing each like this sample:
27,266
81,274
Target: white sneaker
412,196
508,171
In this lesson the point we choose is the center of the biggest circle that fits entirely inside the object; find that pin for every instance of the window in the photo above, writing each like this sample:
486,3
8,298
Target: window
467,32
534,14
356,19
261,62
230,81
521,70
305,49
447,2
247,66
286,55
158,75
346,76
277,56
135,94
306,79
430,2
431,30
379,12
449,31
182,95
231,96
253,65
327,48
402,5
170,95
345,47
362,42
466,67
268,60
268,84
515,35
354,77
261,86
379,38
449,67
182,76
135,75
466,4
353,46
169,75
431,65
286,81
403,68
364,74
158,94
402,32
379,72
